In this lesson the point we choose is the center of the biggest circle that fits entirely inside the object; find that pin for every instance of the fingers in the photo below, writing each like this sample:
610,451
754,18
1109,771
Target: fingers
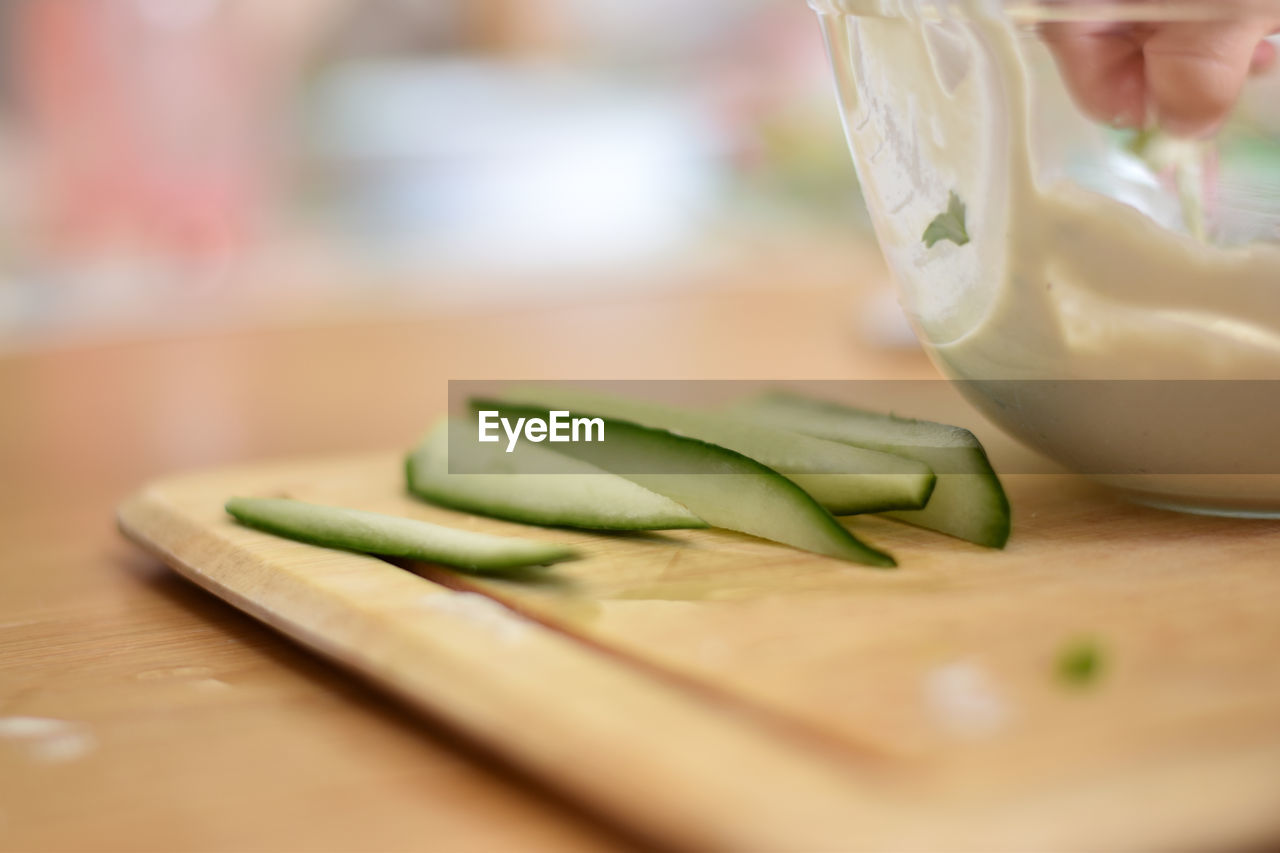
1102,67
1264,58
1189,74
1195,71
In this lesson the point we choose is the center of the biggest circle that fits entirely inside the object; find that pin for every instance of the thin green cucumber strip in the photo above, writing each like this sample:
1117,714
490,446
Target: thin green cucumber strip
845,479
968,501
721,486
518,487
392,535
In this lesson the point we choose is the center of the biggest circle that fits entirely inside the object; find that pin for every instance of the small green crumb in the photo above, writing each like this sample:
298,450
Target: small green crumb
949,225
1139,144
1080,663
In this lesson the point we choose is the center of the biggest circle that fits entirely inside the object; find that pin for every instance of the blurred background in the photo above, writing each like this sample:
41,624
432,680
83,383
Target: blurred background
171,165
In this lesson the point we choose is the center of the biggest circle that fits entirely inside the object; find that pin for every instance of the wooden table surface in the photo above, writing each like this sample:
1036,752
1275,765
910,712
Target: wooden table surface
185,725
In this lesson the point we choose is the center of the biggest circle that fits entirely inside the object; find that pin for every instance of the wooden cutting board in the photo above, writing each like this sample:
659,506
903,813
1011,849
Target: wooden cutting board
712,691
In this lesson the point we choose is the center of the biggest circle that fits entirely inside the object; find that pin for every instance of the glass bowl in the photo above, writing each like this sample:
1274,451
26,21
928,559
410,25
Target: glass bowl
1108,295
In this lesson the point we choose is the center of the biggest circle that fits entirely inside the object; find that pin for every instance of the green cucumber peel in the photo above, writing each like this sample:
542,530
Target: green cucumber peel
968,502
393,536
846,480
518,486
721,486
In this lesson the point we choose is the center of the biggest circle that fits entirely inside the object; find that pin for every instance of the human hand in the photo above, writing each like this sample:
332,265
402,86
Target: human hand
1186,75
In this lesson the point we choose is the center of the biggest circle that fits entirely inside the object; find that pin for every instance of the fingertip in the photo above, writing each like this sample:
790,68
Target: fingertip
1264,58
1195,73
1189,127
1128,96
1102,68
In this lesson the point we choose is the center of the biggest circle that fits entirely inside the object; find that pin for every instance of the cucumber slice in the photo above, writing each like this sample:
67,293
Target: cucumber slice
724,488
515,486
968,501
392,536
844,479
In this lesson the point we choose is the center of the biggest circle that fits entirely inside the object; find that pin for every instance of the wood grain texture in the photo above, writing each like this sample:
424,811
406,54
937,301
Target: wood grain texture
211,732
215,733
713,691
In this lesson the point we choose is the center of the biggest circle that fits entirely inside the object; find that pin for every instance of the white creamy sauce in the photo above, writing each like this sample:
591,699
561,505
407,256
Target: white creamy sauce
1057,281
